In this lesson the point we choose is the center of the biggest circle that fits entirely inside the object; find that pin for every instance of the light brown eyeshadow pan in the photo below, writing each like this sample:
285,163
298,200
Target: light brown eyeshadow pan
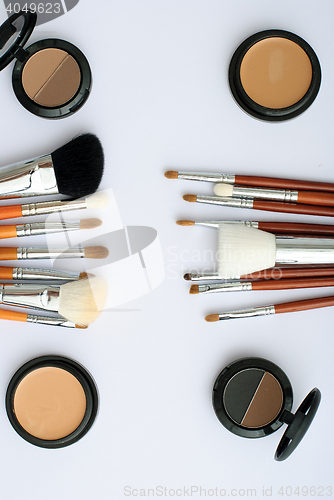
276,72
51,77
49,403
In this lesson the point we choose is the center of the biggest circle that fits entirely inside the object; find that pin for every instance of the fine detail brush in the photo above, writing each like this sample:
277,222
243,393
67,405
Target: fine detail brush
251,180
74,170
299,305
272,226
95,201
24,253
39,228
307,197
274,273
78,301
29,273
34,318
280,284
267,205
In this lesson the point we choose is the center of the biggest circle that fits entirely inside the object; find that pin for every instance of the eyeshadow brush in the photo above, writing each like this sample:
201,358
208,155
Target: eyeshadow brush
95,201
78,301
34,318
267,205
285,195
74,170
273,273
39,228
252,180
279,284
299,305
25,253
28,273
274,227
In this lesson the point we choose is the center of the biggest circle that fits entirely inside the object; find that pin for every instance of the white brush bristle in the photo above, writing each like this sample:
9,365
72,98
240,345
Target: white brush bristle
97,200
243,250
222,189
82,301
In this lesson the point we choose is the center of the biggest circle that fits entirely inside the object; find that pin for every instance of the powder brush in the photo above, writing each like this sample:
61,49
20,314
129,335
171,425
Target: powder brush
34,318
299,305
28,273
95,201
273,273
39,228
285,195
78,301
24,253
279,284
252,180
267,205
74,170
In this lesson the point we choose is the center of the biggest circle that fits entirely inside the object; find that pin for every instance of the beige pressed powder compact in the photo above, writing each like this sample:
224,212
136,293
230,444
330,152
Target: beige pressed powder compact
274,75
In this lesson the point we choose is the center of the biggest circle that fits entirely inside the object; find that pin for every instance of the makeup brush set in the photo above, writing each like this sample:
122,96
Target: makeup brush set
74,170
267,255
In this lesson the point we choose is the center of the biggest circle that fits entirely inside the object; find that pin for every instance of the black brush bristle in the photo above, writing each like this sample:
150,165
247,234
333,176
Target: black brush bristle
78,166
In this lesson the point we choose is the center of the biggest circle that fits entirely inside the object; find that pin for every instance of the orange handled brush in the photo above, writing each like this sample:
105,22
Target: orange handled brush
33,318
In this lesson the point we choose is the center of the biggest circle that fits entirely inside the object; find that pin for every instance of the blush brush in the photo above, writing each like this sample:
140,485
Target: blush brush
74,170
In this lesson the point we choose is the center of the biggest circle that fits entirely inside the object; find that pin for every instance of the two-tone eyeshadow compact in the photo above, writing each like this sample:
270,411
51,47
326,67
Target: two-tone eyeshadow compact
51,78
252,397
274,75
51,401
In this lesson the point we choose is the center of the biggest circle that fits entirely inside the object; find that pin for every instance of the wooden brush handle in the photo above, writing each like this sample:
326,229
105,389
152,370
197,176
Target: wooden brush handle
295,228
8,253
277,273
304,305
289,284
292,208
274,182
316,198
6,273
13,315
7,232
10,212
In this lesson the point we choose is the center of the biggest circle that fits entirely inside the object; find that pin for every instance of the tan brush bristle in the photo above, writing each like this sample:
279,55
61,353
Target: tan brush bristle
96,252
194,289
82,327
212,317
187,277
83,276
190,197
90,223
171,174
185,222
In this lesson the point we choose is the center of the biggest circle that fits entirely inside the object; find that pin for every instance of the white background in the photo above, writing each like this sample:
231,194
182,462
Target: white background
160,100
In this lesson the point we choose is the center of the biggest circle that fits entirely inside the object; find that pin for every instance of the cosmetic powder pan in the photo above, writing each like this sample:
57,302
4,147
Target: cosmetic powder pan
51,401
51,78
252,397
274,75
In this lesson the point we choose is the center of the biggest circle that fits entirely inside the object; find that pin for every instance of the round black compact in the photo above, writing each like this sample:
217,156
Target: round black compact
274,75
252,397
51,77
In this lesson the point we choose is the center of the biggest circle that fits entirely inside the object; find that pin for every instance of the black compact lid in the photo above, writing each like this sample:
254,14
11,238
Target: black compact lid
20,24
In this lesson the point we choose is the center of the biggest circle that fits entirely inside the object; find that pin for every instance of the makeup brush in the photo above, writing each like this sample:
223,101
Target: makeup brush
28,273
280,284
78,301
251,180
37,228
41,320
24,253
306,197
274,227
299,305
74,170
273,273
244,250
269,206
95,201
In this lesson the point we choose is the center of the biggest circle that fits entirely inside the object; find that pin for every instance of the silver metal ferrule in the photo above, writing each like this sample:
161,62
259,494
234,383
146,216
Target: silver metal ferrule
34,296
216,223
247,313
24,253
226,202
229,286
203,276
207,177
39,228
48,320
266,194
51,207
294,250
27,273
29,178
